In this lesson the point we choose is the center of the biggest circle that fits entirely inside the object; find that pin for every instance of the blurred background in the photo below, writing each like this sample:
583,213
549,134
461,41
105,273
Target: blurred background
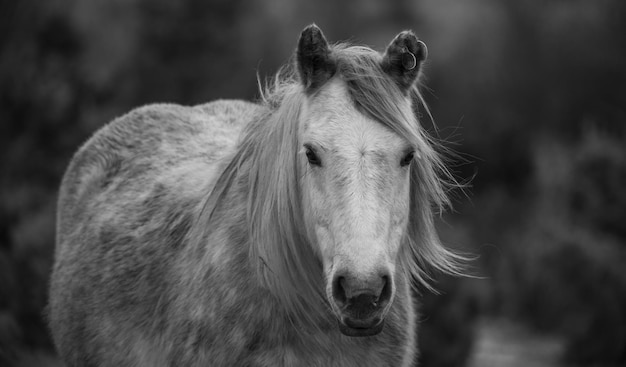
530,94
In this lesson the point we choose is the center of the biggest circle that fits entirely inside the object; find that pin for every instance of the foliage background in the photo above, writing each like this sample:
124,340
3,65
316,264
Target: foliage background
530,94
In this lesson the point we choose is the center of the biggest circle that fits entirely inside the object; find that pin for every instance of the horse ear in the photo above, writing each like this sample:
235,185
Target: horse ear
403,59
315,65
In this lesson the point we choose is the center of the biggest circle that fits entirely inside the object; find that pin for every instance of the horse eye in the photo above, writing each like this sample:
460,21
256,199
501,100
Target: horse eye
312,157
407,159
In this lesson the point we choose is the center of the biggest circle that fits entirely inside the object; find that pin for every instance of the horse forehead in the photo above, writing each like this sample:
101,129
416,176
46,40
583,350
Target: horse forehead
335,122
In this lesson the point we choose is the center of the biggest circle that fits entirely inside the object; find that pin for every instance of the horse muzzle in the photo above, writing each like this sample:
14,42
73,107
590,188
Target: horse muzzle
350,327
361,304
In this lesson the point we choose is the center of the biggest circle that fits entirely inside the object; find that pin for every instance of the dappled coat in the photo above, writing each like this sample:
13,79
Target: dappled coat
283,233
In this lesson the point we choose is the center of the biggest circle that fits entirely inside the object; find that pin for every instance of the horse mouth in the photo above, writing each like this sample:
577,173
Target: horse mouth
357,328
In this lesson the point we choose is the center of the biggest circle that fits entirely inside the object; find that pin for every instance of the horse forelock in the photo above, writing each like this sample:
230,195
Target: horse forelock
279,249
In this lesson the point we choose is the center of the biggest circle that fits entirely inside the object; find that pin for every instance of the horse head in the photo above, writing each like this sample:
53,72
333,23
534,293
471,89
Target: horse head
356,169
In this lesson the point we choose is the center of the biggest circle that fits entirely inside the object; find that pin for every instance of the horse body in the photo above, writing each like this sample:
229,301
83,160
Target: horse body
161,259
145,169
216,316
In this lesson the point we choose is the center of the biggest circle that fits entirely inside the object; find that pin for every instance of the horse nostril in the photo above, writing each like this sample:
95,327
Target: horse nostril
353,294
339,292
385,294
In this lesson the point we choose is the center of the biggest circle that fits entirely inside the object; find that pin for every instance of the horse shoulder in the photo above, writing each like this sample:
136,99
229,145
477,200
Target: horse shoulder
182,135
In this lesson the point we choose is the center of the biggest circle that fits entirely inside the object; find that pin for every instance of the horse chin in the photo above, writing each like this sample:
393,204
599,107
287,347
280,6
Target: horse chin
359,331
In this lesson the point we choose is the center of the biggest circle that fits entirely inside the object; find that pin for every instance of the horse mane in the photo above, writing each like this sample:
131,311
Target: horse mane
267,163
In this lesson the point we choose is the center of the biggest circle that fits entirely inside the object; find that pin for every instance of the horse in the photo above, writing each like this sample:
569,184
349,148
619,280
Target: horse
292,231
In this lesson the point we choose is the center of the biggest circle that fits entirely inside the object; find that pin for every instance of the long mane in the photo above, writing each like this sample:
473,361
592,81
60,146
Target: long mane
267,167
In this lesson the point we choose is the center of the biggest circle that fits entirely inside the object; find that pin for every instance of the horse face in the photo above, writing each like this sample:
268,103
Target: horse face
356,205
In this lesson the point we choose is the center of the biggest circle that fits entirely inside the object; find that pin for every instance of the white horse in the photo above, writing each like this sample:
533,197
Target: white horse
285,233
